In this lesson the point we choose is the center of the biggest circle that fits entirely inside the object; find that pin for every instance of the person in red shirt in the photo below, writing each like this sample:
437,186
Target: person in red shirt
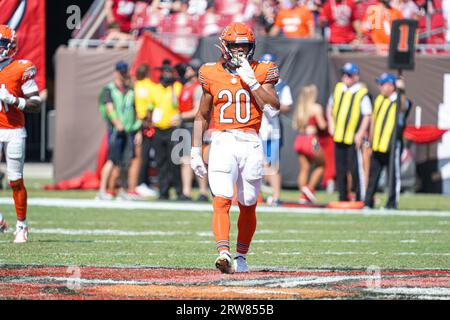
297,21
340,17
121,12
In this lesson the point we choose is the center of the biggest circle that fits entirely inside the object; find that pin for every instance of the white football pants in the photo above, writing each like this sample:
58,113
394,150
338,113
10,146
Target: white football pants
236,158
13,142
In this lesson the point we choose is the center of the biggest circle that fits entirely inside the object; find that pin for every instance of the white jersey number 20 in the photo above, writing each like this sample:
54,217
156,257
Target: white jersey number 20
242,116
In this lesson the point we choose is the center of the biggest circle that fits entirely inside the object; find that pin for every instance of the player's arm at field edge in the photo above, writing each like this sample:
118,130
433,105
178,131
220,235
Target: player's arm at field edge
202,119
33,102
266,95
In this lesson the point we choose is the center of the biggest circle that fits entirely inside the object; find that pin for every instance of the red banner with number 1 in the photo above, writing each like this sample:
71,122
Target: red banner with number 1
27,17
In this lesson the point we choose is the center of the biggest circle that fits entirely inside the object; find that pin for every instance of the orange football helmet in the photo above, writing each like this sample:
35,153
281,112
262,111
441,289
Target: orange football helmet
236,33
8,42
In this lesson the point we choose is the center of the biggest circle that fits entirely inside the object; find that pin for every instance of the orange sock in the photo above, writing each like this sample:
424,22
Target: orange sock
221,223
246,227
20,198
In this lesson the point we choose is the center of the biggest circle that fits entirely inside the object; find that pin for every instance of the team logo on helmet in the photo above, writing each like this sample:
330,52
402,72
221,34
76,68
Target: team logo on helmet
8,42
236,33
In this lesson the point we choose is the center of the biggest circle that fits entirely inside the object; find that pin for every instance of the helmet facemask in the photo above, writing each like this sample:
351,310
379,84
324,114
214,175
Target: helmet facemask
4,48
8,48
231,58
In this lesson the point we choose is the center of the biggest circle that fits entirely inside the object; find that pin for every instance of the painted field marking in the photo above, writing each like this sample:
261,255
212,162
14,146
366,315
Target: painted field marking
197,207
208,234
413,291
107,232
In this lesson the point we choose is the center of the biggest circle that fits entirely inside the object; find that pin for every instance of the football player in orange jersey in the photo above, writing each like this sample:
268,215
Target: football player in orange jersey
18,94
236,92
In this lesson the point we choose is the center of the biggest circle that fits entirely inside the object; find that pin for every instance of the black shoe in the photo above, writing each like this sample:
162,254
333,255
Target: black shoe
163,198
203,198
184,198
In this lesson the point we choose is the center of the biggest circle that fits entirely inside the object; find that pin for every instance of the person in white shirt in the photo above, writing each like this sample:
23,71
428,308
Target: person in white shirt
271,134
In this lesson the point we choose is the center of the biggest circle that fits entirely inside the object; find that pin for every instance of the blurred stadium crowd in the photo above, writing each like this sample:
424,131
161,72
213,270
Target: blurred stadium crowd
339,21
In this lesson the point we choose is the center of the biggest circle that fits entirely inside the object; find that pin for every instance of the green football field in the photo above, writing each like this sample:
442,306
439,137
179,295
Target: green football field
181,238
98,237
80,248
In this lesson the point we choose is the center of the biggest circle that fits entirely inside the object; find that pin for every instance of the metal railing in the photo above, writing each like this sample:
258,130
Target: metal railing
187,43
372,48
99,43
91,20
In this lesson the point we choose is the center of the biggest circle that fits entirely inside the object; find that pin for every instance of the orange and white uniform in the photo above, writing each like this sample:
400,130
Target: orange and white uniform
236,155
18,78
295,22
378,22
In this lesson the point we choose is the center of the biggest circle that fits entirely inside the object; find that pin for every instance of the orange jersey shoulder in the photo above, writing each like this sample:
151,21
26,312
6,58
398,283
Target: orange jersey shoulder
206,75
266,72
17,73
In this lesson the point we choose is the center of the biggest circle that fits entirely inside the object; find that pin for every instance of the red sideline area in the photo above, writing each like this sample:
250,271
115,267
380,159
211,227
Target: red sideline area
424,134
342,205
88,180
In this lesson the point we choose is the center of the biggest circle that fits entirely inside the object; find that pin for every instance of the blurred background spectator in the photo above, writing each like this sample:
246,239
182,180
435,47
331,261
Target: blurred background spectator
309,120
294,20
166,118
143,88
377,21
446,15
271,134
179,23
125,135
340,17
120,13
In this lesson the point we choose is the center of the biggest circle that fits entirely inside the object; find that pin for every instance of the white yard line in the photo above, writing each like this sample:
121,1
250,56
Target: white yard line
199,207
106,232
413,291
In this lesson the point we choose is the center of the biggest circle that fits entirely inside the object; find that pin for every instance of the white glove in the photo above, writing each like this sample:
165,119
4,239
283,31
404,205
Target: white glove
7,97
247,74
197,163
10,99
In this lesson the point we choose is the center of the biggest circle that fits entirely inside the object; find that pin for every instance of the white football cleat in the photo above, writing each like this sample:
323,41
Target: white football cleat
146,191
240,264
102,195
3,225
21,233
223,262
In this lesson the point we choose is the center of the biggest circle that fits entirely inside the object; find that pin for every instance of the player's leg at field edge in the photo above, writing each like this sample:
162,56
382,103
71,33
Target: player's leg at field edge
246,228
20,198
221,223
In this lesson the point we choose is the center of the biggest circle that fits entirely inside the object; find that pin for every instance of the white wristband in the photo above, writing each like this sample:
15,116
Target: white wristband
270,111
255,86
21,103
196,151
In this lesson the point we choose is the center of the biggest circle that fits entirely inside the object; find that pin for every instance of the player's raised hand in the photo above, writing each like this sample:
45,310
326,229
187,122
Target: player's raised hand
247,74
197,163
5,96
